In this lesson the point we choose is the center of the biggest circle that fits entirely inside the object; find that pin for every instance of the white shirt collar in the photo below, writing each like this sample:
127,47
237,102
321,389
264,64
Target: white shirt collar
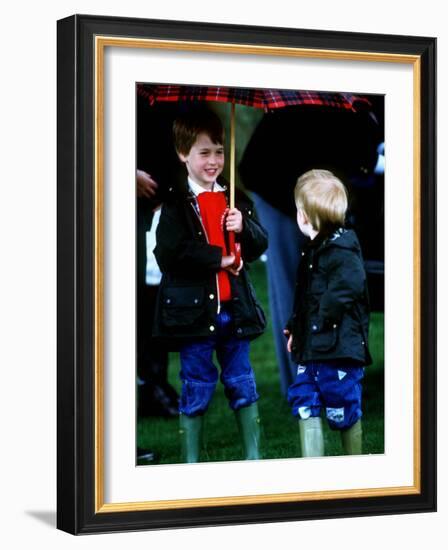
197,189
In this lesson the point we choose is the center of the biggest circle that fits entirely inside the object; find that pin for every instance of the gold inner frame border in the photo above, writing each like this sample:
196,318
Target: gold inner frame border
101,42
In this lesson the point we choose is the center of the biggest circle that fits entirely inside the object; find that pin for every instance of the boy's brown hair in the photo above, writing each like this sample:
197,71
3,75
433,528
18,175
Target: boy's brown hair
323,199
187,127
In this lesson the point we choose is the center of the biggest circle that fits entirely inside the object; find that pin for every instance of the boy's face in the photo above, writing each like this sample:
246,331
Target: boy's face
205,161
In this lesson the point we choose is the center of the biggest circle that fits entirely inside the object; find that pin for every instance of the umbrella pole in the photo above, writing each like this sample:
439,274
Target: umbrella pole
232,155
235,248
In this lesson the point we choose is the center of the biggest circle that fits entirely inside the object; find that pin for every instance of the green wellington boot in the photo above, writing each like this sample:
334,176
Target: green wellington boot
352,439
190,430
311,436
248,422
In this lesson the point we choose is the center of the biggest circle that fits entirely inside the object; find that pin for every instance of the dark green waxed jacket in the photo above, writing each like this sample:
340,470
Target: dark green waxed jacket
330,317
188,298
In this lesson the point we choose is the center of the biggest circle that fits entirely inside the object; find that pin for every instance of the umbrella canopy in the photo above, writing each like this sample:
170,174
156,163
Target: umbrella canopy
261,98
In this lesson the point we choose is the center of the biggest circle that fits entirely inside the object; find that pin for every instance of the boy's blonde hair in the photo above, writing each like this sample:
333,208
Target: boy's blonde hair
323,198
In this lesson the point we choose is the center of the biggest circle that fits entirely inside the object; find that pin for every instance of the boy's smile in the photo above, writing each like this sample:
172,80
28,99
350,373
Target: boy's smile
205,161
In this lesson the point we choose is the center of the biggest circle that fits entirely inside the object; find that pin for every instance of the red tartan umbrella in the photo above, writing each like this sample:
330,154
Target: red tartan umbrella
261,98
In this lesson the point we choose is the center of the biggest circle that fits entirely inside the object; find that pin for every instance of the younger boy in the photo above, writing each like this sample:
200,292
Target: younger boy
206,303
328,331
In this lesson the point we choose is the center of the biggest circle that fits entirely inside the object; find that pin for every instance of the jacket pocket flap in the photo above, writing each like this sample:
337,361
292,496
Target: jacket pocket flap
186,296
324,340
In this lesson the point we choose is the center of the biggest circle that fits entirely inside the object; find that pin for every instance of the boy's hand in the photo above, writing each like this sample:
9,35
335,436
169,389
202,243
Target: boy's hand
234,220
227,264
289,344
227,261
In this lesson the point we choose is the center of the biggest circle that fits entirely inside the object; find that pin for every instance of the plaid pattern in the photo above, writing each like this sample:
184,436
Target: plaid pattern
266,99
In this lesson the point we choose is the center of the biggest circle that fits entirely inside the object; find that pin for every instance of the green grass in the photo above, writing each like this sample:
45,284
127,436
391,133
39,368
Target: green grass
280,438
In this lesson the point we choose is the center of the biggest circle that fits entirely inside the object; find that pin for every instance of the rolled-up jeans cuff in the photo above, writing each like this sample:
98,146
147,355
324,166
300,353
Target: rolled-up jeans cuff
241,391
195,397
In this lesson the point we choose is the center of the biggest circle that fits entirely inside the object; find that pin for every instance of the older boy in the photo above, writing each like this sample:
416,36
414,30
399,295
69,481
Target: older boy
328,331
205,302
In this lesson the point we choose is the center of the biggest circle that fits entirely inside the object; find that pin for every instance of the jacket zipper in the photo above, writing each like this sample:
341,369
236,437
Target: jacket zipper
208,242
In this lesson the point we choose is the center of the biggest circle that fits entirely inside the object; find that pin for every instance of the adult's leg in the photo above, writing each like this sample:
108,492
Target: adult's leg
285,243
156,396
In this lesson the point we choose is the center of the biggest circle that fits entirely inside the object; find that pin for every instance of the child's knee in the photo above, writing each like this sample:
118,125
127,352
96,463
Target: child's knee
195,397
241,391
343,418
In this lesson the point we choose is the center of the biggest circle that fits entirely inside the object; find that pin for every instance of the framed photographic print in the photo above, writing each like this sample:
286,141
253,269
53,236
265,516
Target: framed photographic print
322,401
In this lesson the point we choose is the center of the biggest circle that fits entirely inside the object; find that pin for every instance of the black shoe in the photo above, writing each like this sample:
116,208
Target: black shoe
145,456
171,393
154,401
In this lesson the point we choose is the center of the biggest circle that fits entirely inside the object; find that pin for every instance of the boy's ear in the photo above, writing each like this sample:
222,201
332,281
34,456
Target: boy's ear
302,216
182,157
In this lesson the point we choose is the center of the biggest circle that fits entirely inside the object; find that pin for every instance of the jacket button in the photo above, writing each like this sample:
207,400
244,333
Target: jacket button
335,325
311,266
363,343
196,301
303,253
199,233
239,330
167,301
249,212
212,328
212,296
314,327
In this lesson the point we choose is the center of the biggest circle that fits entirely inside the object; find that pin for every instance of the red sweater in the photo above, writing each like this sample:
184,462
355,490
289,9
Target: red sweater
212,207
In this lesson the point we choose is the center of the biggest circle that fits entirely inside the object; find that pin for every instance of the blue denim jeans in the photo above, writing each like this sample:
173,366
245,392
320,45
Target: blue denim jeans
334,386
199,375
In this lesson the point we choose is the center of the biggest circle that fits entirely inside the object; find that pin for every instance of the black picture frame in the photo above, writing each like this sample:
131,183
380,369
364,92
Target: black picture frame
79,504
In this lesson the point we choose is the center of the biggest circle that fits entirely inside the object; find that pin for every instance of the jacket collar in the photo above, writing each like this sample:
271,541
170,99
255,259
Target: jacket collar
341,237
323,240
183,190
197,189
